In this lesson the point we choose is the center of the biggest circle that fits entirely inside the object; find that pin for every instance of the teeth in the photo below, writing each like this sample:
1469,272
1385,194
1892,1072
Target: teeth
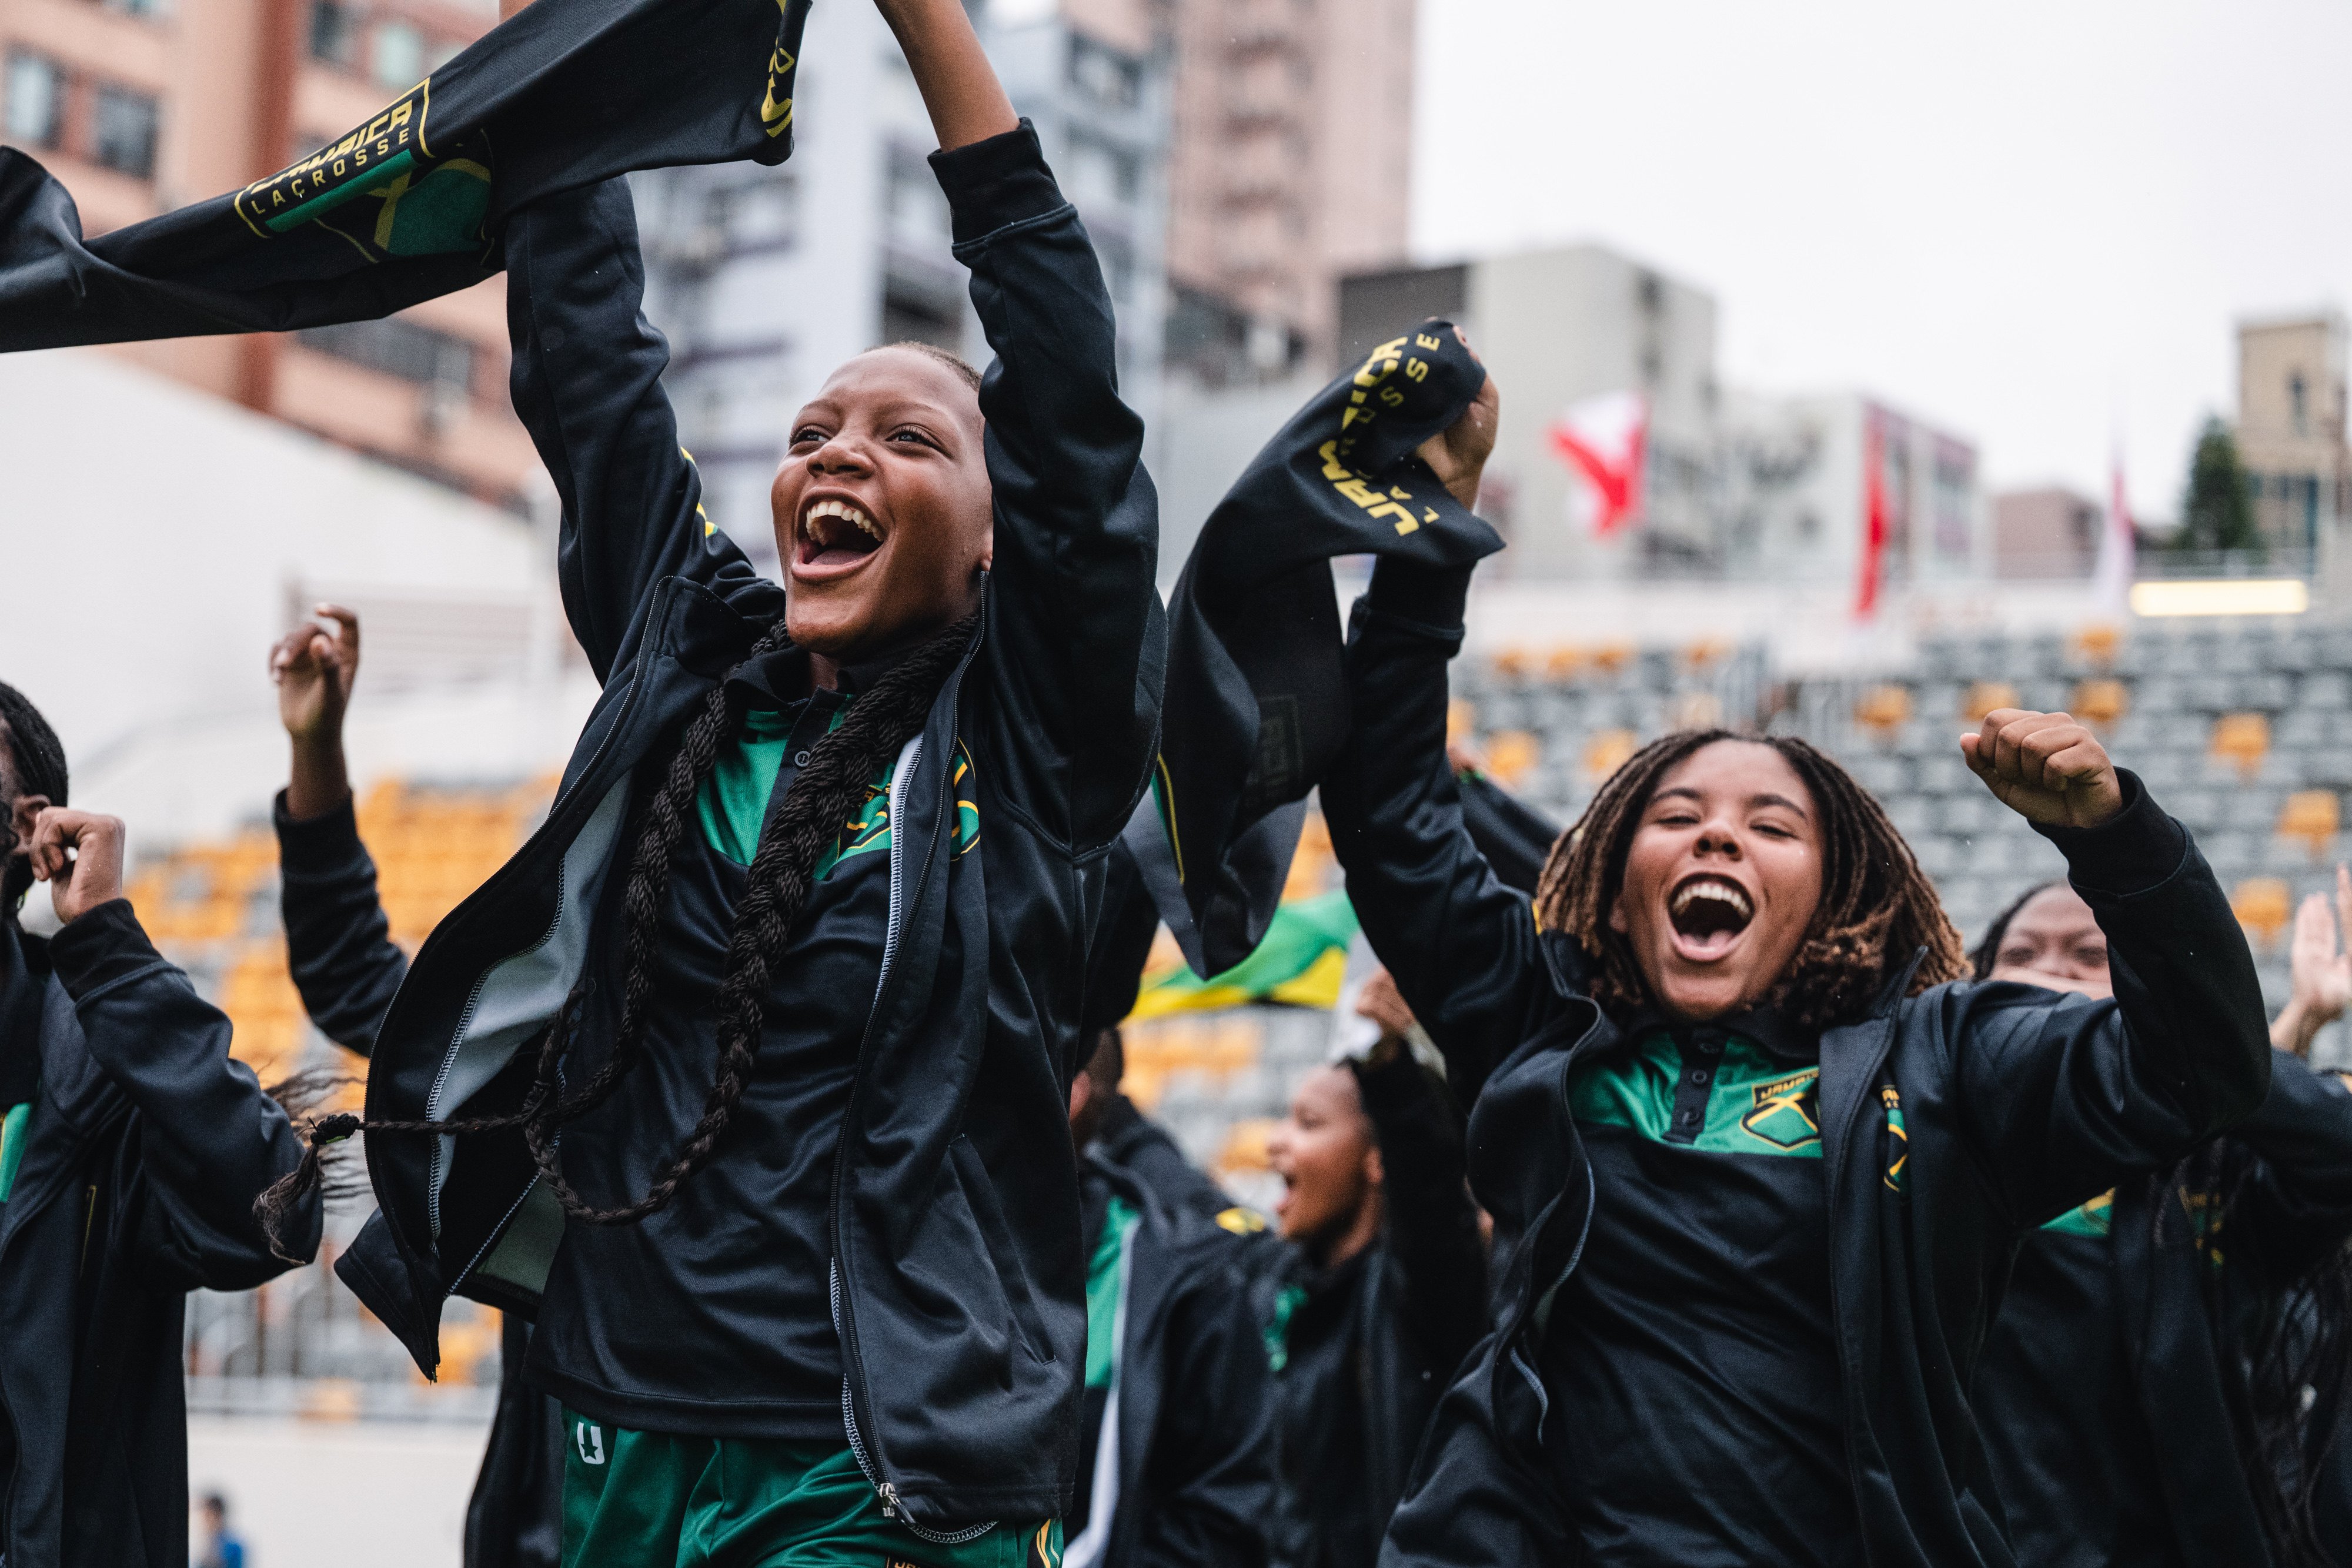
847,514
1722,892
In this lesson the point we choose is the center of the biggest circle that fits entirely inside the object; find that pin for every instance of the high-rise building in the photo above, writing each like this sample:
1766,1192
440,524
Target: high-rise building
766,279
2291,428
1292,167
139,106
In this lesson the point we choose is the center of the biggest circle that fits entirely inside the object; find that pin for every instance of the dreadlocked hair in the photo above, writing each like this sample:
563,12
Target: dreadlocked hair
1876,906
2295,1354
825,792
31,763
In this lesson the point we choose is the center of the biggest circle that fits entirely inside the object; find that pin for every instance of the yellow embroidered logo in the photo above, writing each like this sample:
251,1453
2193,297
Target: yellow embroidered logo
1786,1110
386,147
1242,1221
1899,1142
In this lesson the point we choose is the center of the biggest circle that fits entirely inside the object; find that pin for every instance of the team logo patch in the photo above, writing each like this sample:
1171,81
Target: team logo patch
589,1438
1242,1221
1786,1112
384,187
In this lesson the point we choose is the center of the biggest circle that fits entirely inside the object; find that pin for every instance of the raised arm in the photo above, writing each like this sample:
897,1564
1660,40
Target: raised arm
1075,632
1462,948
2063,1098
1433,1225
586,382
338,943
211,1141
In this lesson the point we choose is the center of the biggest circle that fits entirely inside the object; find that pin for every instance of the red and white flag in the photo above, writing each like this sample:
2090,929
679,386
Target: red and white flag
1603,440
2111,579
1874,518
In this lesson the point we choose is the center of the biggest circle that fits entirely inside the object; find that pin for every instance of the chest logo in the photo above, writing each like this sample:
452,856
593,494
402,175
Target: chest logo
1786,1112
590,1440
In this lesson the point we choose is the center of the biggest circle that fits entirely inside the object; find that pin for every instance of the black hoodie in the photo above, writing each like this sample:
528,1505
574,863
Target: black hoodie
1952,1122
960,1281
143,1152
2113,1384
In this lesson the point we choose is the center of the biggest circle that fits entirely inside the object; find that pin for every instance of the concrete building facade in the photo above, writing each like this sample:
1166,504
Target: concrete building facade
1292,164
2291,429
766,280
139,106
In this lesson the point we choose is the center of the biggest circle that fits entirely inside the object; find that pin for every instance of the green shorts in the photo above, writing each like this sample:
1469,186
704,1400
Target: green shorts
648,1499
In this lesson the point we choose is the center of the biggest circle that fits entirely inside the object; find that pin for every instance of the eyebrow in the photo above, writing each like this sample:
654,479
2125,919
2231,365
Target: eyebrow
1685,791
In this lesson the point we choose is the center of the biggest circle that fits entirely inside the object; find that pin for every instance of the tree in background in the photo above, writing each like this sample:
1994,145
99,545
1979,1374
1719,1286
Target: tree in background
2218,512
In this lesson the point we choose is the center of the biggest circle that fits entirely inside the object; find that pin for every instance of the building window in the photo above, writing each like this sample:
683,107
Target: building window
35,108
122,131
334,33
398,347
399,56
2298,397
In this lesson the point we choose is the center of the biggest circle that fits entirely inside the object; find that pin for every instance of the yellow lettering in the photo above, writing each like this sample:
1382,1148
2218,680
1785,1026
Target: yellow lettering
342,147
339,168
1332,467
359,159
1424,340
1417,370
400,111
1391,397
277,198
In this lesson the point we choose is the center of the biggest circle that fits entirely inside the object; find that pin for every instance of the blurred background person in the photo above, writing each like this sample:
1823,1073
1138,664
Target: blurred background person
2170,1353
222,1547
1382,1294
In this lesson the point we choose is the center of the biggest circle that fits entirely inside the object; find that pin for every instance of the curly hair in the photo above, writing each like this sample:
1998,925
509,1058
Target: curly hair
824,794
1876,907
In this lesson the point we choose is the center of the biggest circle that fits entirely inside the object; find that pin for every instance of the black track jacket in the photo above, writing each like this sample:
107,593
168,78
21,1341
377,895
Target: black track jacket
1195,1417
961,1282
2182,1321
338,948
1367,1347
1952,1121
146,1147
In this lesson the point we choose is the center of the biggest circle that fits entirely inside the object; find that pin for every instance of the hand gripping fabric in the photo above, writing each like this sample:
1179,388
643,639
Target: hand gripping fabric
564,94
1255,705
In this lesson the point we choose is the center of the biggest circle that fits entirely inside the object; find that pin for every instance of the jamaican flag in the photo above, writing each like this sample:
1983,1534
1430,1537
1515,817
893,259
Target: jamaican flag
408,205
1255,707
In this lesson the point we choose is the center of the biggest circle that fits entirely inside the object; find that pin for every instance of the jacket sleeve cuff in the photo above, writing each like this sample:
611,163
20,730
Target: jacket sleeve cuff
106,945
996,183
323,840
2138,849
1431,596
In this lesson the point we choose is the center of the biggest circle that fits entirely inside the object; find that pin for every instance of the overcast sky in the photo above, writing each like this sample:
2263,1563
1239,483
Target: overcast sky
2032,220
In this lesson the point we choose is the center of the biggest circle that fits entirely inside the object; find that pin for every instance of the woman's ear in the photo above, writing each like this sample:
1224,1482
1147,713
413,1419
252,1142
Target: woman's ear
1617,921
24,811
1375,1173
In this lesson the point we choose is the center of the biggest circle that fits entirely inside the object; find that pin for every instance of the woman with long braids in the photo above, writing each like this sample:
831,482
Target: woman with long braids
132,1146
746,1077
2159,1382
1757,1152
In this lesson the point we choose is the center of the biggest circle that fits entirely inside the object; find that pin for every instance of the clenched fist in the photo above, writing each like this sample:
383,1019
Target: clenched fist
79,855
2045,767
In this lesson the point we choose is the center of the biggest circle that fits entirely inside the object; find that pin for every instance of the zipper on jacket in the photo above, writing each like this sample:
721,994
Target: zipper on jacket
894,1508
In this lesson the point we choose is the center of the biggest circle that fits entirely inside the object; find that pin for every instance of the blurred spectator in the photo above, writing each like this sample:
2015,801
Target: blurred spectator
222,1547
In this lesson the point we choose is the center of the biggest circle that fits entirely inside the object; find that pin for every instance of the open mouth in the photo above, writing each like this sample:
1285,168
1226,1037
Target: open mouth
836,535
1708,913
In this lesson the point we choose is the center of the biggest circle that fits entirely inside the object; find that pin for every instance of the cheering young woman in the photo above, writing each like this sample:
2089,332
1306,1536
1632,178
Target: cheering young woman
1756,1154
746,1076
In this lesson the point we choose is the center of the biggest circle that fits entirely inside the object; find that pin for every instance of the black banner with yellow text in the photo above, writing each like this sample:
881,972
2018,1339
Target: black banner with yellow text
1255,706
408,205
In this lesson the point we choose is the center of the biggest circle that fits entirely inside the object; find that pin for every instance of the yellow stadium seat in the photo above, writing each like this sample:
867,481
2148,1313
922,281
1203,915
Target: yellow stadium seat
1707,653
2264,905
1610,658
2313,816
1562,662
2101,702
1460,720
1607,751
1513,662
1983,697
1883,709
2097,643
1244,1148
1511,756
2243,738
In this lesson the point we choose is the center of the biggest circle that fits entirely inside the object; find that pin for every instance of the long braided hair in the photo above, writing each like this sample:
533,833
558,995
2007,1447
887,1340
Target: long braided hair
1876,908
32,762
824,794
